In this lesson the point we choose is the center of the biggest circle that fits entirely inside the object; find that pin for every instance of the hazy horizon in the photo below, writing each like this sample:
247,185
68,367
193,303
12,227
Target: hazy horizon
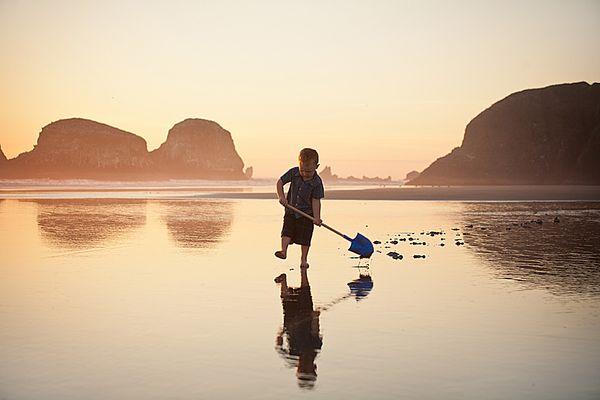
378,89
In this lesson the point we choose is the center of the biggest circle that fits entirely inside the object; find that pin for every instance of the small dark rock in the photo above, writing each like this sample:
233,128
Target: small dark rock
376,242
395,255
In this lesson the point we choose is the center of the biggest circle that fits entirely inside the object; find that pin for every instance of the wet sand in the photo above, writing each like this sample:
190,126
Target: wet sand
489,193
156,299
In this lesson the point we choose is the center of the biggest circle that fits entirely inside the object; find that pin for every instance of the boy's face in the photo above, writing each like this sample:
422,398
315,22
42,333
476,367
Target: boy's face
307,168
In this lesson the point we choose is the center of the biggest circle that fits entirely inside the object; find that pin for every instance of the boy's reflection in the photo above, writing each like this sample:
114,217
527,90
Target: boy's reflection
301,327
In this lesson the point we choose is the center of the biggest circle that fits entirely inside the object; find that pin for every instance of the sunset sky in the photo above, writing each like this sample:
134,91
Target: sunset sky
378,87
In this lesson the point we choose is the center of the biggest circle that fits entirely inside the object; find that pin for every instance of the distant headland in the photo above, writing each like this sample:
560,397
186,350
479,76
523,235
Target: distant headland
534,137
78,148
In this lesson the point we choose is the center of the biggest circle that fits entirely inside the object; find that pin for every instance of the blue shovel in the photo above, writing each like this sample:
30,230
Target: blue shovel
359,245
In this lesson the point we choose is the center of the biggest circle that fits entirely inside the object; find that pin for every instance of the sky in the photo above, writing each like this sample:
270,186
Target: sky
377,87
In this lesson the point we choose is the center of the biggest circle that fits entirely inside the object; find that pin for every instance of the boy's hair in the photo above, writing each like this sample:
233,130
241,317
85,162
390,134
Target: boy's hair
307,154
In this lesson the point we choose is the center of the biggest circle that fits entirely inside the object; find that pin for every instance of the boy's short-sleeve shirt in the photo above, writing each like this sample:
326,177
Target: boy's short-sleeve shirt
301,192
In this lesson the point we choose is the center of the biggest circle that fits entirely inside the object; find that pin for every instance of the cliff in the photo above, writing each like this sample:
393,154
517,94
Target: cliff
2,156
78,148
537,136
198,148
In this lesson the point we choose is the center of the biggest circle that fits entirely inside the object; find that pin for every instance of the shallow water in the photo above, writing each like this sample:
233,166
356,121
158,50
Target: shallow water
154,299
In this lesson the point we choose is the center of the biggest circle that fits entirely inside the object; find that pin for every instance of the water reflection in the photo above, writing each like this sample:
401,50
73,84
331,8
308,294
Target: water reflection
197,223
361,287
552,245
300,330
86,223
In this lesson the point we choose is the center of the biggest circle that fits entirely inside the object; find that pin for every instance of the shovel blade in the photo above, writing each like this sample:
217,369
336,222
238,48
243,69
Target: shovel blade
362,246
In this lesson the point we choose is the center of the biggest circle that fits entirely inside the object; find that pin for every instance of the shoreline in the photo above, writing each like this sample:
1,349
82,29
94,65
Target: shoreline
452,193
414,193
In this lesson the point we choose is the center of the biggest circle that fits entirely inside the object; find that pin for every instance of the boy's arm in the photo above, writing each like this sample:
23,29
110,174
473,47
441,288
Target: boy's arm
280,193
316,206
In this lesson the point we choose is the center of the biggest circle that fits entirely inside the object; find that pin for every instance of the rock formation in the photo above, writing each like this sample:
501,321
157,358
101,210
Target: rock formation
78,148
412,175
537,136
2,156
328,176
200,149
249,172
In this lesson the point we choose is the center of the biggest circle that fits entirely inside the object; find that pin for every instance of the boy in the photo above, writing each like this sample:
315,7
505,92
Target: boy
305,193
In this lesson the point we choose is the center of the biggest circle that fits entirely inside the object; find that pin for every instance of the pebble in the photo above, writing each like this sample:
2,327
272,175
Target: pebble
395,255
419,256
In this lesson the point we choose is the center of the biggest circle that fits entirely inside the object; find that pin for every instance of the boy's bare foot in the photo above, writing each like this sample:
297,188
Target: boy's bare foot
304,264
280,254
280,278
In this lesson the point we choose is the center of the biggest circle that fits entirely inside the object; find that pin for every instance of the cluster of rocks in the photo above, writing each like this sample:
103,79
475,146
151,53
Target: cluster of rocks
78,148
327,176
411,238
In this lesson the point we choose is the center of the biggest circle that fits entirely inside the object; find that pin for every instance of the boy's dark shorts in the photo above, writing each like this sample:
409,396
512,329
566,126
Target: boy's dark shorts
299,229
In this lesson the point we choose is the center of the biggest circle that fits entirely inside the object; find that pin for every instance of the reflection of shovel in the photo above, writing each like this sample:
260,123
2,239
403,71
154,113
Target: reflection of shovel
359,245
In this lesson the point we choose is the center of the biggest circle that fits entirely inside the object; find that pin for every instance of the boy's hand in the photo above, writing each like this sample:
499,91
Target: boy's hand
318,221
283,201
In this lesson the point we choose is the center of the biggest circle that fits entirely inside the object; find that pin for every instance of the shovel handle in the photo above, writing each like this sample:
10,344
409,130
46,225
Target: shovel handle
313,219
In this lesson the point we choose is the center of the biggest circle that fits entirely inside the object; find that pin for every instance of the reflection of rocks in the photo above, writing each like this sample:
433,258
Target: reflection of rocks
562,257
89,222
197,223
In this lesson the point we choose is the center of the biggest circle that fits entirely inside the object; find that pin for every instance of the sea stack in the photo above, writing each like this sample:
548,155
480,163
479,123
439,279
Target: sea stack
540,136
80,148
198,149
411,175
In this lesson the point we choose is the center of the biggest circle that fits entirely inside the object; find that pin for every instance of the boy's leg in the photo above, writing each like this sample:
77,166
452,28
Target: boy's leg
285,242
304,277
282,280
304,256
